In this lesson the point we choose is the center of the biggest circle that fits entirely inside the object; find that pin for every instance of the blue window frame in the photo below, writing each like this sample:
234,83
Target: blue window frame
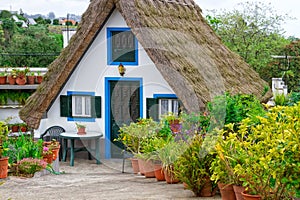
122,47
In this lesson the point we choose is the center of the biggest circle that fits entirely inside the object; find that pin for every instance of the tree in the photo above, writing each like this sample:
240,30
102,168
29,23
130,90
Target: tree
4,14
51,15
253,32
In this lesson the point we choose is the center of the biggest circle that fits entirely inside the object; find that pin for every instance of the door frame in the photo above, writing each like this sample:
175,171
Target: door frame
107,109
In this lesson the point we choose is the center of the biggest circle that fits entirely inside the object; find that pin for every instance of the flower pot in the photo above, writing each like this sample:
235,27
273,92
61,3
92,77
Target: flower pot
81,131
31,80
238,192
250,196
207,190
23,128
3,80
39,79
15,128
21,81
170,176
3,167
48,158
135,165
149,169
55,152
159,172
11,80
227,192
141,163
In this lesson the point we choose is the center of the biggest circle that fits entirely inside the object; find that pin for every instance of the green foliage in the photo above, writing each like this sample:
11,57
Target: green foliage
234,108
294,97
252,30
280,100
192,166
3,138
18,96
28,166
22,147
267,153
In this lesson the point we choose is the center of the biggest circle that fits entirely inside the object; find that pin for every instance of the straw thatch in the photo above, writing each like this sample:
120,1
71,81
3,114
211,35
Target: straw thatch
175,36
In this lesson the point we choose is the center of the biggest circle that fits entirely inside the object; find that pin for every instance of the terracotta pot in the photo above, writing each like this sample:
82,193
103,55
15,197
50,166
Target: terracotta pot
23,128
141,163
250,196
55,152
3,80
21,81
135,165
3,167
11,80
206,190
159,172
185,185
170,177
149,169
48,158
227,192
238,192
15,128
31,80
81,131
39,79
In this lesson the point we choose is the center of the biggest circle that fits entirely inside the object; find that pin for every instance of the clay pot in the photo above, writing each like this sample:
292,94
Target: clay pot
250,196
21,81
3,167
31,80
149,169
48,158
170,177
11,80
15,128
238,192
55,152
206,190
39,79
135,165
159,172
3,80
141,163
81,131
227,192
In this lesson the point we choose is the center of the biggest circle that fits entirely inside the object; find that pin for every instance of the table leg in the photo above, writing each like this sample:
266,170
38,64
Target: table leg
97,146
65,145
72,153
89,149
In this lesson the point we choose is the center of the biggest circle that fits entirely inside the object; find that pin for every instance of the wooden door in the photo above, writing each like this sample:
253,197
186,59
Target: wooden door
124,109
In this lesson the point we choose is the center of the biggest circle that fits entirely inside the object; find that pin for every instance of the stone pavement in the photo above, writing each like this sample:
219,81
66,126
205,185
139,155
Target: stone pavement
86,180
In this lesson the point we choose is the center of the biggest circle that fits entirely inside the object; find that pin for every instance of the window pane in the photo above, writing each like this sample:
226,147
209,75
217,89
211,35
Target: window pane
123,46
175,106
88,106
78,105
164,107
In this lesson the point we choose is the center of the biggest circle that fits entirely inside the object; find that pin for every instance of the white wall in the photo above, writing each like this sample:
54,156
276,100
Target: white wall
89,76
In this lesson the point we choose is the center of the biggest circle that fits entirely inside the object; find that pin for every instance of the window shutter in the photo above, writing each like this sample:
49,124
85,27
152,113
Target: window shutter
65,106
152,108
181,107
96,106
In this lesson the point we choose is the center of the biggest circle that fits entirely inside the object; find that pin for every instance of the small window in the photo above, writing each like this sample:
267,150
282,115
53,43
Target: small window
81,106
122,47
168,105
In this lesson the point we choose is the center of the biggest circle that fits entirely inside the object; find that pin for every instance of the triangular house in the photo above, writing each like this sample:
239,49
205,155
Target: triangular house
169,53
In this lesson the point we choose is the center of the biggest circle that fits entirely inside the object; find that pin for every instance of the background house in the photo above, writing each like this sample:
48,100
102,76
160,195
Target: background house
170,54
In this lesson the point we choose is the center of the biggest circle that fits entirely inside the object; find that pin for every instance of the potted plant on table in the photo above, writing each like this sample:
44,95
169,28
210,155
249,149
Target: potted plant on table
31,78
21,76
3,160
12,76
80,128
3,77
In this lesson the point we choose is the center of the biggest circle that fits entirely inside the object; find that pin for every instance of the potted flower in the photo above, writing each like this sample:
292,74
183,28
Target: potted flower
3,160
47,154
39,77
31,78
3,77
12,76
21,76
80,128
28,166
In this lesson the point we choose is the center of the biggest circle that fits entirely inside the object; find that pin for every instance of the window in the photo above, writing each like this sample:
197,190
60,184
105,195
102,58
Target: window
168,105
80,106
122,47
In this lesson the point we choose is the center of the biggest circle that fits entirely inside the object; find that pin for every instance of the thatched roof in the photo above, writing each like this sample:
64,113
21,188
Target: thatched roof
175,36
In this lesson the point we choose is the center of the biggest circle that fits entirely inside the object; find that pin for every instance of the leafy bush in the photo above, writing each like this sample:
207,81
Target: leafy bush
28,166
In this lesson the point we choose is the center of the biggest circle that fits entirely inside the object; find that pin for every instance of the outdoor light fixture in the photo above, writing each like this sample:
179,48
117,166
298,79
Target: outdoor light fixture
121,69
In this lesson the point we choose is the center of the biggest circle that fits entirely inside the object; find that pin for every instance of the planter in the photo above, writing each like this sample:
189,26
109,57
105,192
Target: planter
23,128
170,176
238,192
39,79
55,152
207,190
149,169
141,163
227,192
31,80
21,81
48,158
3,167
11,80
159,172
81,131
135,165
15,128
250,196
3,80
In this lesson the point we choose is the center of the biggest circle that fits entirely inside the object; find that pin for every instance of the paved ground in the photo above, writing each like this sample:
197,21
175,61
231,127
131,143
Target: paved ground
86,180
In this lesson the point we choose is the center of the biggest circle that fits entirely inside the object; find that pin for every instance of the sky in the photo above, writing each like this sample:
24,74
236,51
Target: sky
62,7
